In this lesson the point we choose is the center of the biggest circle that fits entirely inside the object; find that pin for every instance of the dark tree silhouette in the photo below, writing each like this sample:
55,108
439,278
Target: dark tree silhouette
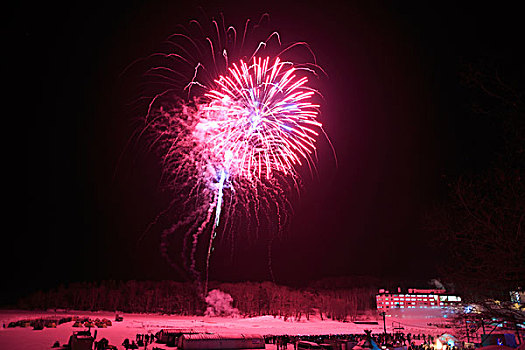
250,298
480,227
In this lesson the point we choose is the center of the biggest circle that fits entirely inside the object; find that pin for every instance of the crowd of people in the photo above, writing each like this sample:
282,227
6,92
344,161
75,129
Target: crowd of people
102,344
395,340
424,341
141,340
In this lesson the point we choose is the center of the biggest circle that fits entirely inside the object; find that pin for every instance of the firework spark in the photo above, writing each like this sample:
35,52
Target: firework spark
237,143
259,119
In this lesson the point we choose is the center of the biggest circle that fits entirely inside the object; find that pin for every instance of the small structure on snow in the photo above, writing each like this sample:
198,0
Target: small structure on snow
170,336
81,340
305,345
506,339
218,341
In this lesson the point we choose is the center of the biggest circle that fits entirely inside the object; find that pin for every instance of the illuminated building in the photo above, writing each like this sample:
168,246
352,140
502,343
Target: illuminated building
415,299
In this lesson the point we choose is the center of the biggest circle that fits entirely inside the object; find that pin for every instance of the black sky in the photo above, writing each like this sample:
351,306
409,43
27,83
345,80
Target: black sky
395,112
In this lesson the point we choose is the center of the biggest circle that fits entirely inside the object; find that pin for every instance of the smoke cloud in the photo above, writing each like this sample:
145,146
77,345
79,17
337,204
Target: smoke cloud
434,282
220,304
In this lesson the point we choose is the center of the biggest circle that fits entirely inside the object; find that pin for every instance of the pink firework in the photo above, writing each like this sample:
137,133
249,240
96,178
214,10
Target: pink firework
259,119
235,144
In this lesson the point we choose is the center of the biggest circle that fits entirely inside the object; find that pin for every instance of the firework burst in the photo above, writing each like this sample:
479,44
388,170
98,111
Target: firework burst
259,120
232,134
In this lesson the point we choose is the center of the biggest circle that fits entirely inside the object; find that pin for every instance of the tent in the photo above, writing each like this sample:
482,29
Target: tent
448,339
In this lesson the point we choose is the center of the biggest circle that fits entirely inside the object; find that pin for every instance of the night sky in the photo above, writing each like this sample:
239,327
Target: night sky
394,109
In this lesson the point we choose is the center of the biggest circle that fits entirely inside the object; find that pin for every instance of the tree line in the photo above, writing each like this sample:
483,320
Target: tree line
183,298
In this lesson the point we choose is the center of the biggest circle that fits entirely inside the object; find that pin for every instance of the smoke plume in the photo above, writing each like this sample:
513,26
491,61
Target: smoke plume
220,304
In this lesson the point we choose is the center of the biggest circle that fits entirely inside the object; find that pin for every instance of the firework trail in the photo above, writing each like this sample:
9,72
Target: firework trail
232,131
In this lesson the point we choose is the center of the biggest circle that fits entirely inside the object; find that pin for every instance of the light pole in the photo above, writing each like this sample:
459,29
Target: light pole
384,321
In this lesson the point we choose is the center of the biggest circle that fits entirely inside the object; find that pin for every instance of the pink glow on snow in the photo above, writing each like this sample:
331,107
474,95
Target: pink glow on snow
28,339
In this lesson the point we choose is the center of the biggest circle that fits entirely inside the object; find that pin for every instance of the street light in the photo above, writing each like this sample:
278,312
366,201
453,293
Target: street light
384,321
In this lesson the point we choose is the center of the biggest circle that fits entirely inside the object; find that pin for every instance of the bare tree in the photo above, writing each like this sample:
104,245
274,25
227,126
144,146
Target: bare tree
480,227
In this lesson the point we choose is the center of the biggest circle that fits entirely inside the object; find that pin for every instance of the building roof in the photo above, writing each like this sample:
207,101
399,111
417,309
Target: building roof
205,336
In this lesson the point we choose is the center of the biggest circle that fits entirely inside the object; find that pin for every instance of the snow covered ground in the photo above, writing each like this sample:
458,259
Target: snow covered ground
29,339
